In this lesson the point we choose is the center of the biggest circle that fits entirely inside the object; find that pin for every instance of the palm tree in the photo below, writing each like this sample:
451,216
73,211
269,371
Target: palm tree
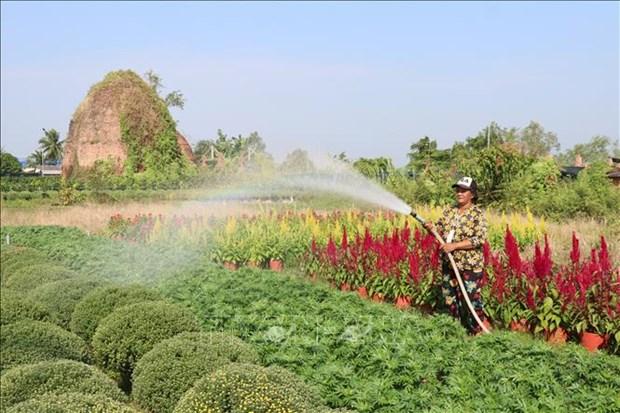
35,159
51,145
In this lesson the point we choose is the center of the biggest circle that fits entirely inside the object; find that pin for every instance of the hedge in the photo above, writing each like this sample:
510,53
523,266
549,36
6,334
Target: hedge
29,277
27,342
247,388
166,372
72,403
60,298
24,382
131,331
100,302
15,306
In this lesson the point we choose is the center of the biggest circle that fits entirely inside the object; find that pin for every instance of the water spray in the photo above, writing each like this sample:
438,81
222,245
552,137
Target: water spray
454,267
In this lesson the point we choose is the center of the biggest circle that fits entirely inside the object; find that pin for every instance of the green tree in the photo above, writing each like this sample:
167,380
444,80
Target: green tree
51,145
36,159
378,169
230,147
534,141
172,99
342,156
297,161
9,164
599,148
425,158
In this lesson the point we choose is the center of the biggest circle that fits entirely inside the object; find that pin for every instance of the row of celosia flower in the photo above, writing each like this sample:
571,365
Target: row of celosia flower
403,266
286,236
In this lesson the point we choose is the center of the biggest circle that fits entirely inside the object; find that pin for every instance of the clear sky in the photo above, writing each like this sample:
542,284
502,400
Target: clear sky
365,78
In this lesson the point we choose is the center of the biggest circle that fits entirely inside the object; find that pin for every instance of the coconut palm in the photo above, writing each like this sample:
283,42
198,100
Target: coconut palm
35,159
51,145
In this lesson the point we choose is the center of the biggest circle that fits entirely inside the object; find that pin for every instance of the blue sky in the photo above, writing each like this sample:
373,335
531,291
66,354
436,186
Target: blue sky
365,78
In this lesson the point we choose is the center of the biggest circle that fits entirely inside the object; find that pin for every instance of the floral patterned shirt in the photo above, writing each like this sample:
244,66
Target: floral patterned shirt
471,225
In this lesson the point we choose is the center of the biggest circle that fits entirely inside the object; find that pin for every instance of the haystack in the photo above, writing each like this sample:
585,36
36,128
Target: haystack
123,121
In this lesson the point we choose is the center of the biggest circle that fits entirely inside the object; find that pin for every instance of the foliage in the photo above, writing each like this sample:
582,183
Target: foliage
29,183
33,275
59,298
14,257
51,145
521,374
100,302
71,403
297,162
598,149
590,195
535,142
172,99
246,388
379,169
166,372
357,353
28,381
129,332
27,341
15,306
9,165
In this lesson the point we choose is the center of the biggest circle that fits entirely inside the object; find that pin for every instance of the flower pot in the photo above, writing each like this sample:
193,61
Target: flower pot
591,341
402,303
519,326
332,284
231,266
275,265
345,287
362,292
377,297
425,308
557,336
253,264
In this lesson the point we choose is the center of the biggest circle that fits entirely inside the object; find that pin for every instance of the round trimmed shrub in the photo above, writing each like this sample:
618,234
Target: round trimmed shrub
12,258
246,388
131,331
166,372
15,306
27,342
29,277
60,298
71,403
24,382
100,302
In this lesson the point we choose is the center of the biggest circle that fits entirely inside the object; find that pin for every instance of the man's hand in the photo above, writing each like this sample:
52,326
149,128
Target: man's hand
449,247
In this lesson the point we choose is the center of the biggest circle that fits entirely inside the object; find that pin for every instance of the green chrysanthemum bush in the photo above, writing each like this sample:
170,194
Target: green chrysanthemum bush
29,277
15,306
100,302
14,257
72,403
166,372
247,388
60,298
24,382
27,342
123,337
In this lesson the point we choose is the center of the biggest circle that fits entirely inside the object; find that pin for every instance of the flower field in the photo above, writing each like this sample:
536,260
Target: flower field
275,341
387,257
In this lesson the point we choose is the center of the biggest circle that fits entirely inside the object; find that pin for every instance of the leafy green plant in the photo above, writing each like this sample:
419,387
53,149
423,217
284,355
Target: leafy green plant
72,402
24,382
166,372
59,298
247,388
15,306
100,302
129,332
28,278
29,341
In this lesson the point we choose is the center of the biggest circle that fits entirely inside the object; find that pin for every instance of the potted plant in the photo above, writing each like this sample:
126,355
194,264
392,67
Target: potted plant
549,320
591,327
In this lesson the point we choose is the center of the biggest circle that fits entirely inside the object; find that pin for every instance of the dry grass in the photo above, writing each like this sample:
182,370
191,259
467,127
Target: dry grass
94,217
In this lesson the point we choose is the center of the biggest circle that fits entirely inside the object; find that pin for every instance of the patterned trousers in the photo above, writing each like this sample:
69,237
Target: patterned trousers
453,297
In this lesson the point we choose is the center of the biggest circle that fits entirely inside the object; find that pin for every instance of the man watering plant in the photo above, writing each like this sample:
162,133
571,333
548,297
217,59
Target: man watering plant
464,228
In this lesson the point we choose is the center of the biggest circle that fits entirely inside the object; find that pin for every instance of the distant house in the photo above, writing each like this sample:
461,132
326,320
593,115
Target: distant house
48,170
